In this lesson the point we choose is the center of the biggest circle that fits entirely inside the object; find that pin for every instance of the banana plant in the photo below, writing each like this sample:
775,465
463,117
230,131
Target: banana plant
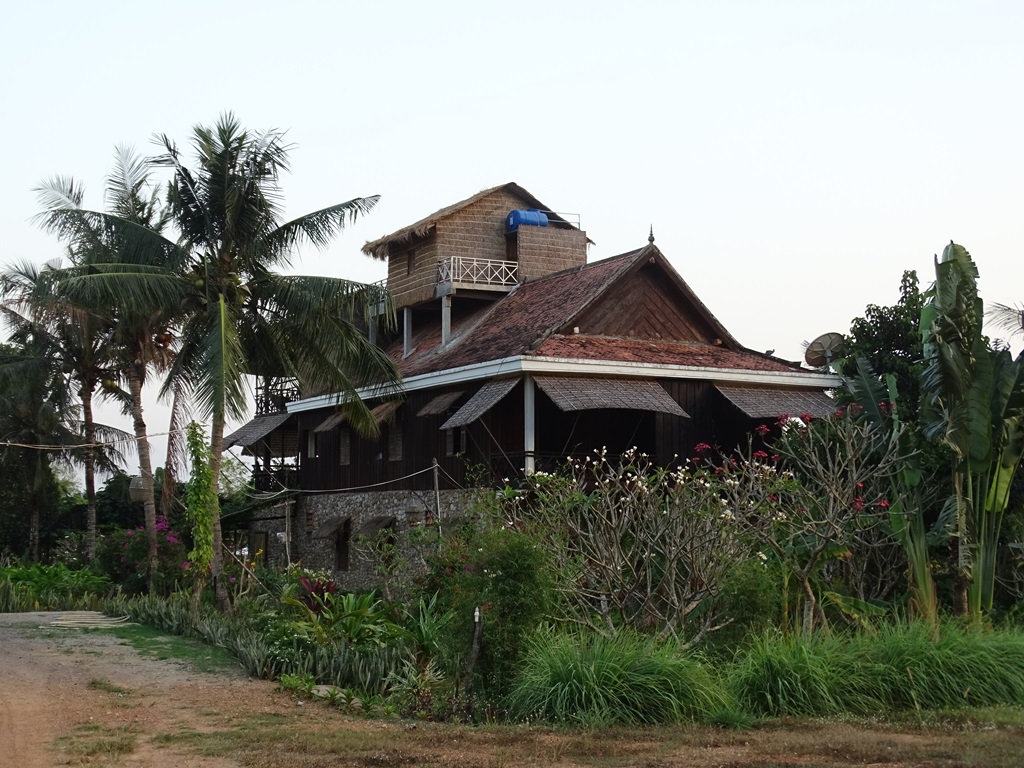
972,400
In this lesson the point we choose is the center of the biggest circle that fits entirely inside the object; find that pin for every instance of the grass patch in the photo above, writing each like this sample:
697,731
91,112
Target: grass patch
101,684
90,745
155,644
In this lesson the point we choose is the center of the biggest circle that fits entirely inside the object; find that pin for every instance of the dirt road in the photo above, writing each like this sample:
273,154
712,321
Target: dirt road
68,697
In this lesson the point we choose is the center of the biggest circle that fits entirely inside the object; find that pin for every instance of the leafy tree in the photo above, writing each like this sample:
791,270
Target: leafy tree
889,340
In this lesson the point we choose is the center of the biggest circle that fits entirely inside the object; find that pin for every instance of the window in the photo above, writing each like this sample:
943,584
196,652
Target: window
311,444
410,261
344,446
342,546
395,441
454,441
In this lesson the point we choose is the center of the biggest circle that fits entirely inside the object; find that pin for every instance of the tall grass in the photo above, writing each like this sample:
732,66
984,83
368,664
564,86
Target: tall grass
898,667
595,680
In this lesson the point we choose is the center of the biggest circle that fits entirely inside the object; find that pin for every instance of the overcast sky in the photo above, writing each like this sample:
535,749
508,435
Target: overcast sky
793,157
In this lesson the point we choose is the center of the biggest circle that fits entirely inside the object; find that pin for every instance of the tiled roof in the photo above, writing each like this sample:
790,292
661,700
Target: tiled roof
515,323
658,353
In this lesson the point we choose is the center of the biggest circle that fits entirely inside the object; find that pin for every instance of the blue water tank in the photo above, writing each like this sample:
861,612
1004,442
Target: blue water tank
530,218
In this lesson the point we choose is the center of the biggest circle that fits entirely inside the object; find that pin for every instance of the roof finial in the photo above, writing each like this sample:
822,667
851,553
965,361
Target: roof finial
650,237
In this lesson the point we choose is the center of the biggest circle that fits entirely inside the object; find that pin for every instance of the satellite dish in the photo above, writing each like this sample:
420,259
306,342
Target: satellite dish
823,350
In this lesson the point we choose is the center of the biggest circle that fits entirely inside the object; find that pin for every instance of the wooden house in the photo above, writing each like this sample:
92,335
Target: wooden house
515,353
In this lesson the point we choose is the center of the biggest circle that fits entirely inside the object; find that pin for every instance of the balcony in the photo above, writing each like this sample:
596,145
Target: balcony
476,274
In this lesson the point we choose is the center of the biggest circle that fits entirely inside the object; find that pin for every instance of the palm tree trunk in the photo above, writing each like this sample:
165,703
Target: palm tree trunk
220,591
90,473
33,475
136,375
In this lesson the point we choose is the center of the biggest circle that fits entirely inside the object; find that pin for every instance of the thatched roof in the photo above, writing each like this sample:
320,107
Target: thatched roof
381,248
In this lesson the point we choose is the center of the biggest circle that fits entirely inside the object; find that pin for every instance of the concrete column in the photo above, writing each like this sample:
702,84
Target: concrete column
446,319
529,424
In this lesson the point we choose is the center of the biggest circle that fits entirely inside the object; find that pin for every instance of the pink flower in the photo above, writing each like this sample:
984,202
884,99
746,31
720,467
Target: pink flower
185,565
129,533
760,454
232,580
701,447
762,429
171,540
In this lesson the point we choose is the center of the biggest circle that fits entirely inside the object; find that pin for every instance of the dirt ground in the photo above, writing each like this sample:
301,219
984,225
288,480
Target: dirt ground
65,693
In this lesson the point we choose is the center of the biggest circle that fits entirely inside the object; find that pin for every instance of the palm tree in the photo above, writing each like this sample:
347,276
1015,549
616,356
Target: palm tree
79,342
36,417
124,272
243,317
1009,318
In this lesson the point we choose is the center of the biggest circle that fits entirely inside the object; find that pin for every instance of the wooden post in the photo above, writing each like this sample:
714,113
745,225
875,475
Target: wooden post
474,652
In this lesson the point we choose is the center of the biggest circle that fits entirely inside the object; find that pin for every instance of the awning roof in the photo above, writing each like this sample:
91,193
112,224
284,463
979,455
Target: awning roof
377,524
385,411
255,430
485,398
331,527
330,422
584,394
766,403
439,404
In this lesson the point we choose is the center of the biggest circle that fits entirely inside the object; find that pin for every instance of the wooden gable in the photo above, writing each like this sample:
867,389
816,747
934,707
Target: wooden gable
646,303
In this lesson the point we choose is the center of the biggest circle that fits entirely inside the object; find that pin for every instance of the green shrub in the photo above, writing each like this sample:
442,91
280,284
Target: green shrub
506,574
266,645
596,680
39,587
751,598
898,667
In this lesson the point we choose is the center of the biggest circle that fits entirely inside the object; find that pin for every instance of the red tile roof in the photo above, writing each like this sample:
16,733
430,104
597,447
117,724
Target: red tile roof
515,323
658,352
527,322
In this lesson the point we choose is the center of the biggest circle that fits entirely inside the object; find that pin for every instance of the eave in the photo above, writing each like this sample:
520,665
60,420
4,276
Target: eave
523,364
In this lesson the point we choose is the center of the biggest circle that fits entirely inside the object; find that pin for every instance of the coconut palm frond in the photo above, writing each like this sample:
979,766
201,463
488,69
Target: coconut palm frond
1009,318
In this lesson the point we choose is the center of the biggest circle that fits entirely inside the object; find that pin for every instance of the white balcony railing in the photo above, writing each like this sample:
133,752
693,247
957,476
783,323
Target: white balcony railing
481,272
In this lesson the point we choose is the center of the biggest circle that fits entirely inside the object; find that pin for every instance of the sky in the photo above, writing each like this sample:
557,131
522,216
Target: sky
793,158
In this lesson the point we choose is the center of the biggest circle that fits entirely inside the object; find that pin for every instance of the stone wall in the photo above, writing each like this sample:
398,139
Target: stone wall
312,514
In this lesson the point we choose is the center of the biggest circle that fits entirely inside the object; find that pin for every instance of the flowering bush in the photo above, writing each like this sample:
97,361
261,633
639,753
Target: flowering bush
122,555
634,546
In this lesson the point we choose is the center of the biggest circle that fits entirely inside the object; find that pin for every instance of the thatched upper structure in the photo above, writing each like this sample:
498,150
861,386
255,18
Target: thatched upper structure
382,247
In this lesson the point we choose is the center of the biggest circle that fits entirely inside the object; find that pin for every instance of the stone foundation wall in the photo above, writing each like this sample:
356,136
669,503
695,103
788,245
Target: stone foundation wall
314,544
